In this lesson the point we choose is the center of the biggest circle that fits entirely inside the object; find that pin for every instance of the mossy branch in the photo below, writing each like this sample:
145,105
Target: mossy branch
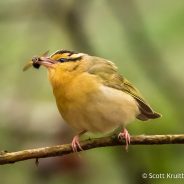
59,150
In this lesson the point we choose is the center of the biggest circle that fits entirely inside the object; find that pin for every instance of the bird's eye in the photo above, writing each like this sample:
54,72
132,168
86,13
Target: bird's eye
62,60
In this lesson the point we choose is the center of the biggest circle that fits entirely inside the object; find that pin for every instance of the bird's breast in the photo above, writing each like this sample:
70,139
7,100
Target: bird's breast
86,104
73,91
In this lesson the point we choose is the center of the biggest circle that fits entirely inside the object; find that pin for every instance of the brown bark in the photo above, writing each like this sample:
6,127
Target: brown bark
59,150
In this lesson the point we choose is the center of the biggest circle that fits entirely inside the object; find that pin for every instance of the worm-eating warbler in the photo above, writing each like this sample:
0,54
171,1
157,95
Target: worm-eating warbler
91,95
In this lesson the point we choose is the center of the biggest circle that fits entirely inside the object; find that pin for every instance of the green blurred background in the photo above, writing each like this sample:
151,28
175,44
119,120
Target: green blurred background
146,41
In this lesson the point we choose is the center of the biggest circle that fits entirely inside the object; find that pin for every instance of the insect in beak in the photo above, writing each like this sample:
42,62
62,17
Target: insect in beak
27,66
36,61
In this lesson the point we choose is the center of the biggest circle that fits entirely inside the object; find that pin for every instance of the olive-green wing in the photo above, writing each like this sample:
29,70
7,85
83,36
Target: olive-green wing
145,109
107,72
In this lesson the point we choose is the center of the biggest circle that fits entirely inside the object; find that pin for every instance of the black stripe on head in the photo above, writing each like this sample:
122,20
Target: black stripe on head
75,59
65,51
62,60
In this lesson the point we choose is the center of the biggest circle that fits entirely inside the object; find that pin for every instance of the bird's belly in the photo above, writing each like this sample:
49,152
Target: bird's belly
102,111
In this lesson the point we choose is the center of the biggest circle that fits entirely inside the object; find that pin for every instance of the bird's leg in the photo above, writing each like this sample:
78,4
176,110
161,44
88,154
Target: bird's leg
75,142
124,135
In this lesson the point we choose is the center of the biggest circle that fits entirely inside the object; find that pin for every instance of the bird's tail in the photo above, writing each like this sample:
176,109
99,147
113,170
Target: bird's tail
146,112
144,116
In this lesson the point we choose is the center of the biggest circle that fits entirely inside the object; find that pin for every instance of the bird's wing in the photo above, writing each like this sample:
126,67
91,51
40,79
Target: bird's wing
107,72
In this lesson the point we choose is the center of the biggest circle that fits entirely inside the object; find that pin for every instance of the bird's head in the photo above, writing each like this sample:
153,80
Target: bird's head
64,59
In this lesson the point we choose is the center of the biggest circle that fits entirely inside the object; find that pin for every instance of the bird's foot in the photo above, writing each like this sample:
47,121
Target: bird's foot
76,144
124,135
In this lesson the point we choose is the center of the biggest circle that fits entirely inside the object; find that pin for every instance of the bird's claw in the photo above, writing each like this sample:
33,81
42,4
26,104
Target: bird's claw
124,135
76,144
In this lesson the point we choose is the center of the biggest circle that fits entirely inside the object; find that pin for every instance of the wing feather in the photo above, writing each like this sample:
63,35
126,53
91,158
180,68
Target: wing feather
108,73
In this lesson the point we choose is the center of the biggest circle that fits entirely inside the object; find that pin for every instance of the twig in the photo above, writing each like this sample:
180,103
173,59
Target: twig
59,150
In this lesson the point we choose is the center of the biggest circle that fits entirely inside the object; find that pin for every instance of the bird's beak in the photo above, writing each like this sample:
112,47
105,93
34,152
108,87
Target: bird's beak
47,62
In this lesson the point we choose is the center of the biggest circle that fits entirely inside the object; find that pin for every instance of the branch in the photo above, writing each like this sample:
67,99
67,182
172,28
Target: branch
59,150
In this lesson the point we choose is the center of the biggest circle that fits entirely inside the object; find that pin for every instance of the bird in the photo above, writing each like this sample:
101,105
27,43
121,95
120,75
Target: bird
91,94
